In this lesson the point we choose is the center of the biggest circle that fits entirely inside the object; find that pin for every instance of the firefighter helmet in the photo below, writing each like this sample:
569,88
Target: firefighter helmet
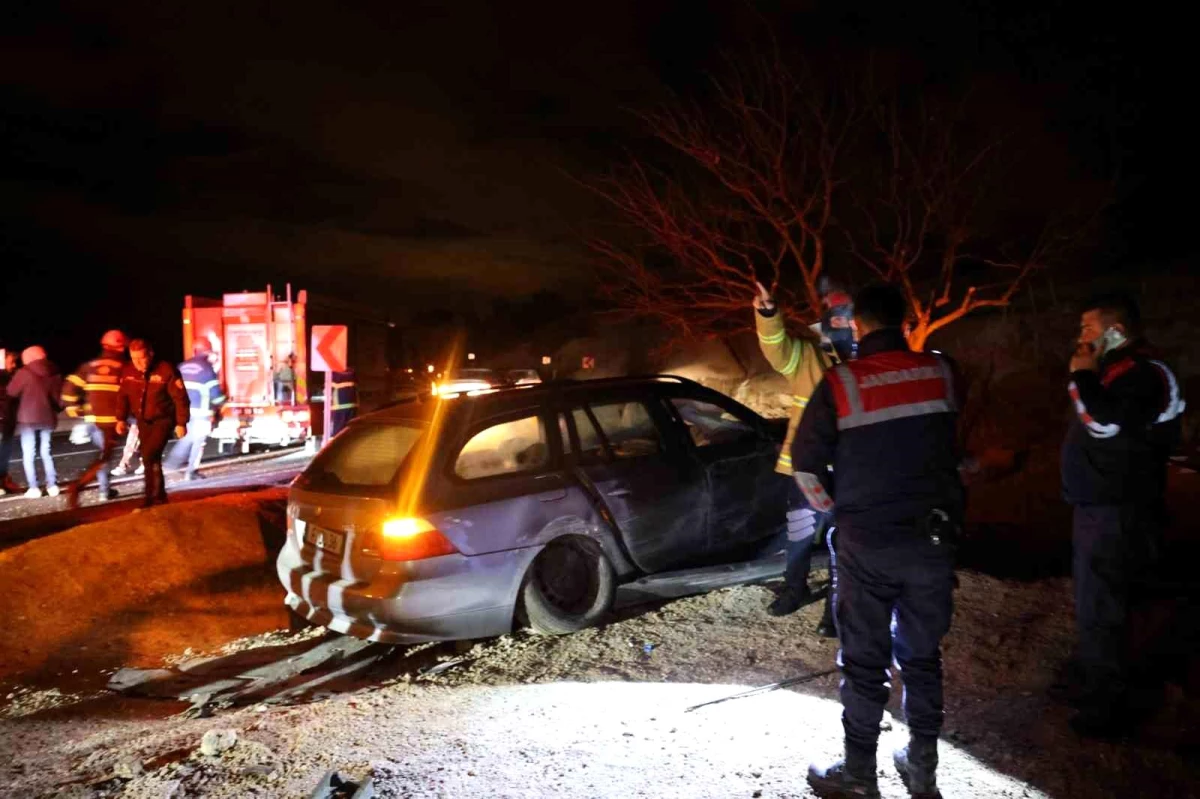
113,340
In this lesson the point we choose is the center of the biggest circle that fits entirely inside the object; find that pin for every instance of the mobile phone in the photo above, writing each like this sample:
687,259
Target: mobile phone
1110,339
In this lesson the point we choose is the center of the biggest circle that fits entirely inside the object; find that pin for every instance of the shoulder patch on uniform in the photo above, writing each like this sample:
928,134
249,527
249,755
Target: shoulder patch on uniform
156,378
178,383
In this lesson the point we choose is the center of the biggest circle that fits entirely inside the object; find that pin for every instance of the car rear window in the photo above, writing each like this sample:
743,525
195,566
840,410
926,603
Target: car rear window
364,458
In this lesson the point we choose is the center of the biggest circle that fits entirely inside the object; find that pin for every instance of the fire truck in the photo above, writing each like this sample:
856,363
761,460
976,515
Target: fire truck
254,335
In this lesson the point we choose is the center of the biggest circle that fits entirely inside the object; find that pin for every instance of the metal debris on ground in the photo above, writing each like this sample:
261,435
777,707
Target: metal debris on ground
334,786
442,667
766,688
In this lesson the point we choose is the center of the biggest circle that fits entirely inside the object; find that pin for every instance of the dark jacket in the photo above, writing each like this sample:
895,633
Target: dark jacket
887,423
8,407
91,393
203,388
1125,425
155,395
36,387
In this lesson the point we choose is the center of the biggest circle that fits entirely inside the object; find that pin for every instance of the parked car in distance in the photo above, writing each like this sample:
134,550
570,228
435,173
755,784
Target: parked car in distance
458,517
523,377
465,381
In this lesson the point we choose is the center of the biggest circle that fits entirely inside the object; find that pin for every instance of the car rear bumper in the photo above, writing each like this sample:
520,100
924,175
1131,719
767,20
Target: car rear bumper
438,599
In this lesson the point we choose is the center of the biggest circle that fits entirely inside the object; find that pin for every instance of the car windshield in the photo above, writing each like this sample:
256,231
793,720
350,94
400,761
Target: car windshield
363,460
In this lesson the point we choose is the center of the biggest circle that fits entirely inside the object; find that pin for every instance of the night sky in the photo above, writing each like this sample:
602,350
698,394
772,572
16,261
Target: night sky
416,155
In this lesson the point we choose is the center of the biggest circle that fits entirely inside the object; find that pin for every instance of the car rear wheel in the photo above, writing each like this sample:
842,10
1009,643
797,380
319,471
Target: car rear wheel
570,586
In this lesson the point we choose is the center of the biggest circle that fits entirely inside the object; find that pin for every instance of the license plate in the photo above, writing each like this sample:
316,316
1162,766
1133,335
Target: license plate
327,540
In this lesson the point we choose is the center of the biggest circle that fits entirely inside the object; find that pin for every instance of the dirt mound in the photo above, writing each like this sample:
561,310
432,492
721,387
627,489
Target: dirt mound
125,591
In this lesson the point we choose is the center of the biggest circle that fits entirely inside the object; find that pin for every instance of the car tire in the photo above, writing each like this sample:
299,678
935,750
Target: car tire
296,622
569,586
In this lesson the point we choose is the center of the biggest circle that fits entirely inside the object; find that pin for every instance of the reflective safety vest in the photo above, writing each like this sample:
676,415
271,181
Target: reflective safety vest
90,394
345,393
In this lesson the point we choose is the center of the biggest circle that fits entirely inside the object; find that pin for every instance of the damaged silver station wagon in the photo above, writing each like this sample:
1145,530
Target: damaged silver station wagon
458,517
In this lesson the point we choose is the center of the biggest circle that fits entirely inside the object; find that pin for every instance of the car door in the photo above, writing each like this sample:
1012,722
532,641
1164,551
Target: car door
656,495
738,458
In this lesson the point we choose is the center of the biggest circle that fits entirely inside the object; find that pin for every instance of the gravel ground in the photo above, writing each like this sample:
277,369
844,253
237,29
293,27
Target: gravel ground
602,714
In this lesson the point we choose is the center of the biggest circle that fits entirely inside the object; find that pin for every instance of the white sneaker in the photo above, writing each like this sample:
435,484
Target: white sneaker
52,491
33,493
119,471
140,469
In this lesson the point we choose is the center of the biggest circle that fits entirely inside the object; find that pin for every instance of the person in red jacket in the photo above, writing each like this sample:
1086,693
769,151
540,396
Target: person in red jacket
152,393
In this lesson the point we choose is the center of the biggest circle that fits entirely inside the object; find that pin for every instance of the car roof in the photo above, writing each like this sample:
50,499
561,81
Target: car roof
504,400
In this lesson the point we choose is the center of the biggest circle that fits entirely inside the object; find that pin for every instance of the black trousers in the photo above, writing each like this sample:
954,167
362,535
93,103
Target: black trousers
153,441
1115,547
892,602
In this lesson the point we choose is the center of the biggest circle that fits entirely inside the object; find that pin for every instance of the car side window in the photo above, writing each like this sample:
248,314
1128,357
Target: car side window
591,446
506,448
709,424
629,429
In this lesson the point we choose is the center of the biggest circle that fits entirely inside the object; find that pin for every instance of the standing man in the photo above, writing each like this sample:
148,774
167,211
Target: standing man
285,380
204,398
152,392
1114,469
887,423
8,421
345,401
90,395
802,362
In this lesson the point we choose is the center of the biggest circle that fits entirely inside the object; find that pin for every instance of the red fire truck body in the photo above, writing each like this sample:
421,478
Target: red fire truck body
253,335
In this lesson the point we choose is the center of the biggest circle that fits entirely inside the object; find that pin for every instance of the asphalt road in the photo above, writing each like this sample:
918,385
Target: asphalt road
230,470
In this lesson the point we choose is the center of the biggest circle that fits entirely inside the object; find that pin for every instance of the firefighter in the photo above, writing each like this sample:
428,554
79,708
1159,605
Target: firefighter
802,362
90,395
204,398
152,393
1128,409
345,401
888,421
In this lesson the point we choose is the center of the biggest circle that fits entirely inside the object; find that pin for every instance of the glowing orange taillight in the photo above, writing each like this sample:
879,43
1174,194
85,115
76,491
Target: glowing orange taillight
408,538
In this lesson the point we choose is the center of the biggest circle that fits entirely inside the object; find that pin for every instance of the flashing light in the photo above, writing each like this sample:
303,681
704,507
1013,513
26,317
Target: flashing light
411,538
410,371
545,360
429,368
470,356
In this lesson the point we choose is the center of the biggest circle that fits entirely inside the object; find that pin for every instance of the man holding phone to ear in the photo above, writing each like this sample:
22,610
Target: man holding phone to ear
1114,468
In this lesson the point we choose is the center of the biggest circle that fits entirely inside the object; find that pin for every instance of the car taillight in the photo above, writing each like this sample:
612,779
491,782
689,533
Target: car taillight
407,538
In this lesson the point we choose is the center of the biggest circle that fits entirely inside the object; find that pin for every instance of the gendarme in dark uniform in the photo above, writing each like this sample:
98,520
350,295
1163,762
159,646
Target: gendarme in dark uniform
887,422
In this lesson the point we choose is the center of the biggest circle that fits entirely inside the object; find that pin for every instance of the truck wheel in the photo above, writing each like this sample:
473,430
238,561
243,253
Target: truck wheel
569,586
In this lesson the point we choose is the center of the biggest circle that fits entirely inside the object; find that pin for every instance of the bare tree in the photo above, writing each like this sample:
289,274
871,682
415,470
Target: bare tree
778,171
934,206
759,166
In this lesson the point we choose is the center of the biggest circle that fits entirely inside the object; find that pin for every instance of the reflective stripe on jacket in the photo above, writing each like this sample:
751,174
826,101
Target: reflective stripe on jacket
1127,422
802,363
887,423
91,393
345,392
203,387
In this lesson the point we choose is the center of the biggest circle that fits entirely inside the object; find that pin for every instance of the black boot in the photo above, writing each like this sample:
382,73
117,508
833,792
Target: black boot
826,628
917,764
789,601
853,775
